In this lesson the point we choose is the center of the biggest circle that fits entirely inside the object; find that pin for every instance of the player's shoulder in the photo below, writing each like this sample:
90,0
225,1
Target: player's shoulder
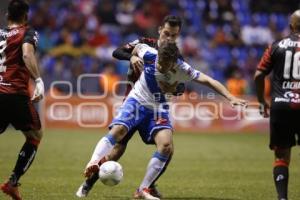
31,31
31,36
146,52
291,40
146,48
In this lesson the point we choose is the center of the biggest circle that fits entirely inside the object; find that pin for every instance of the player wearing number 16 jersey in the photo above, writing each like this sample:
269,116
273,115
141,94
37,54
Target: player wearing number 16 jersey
17,65
282,58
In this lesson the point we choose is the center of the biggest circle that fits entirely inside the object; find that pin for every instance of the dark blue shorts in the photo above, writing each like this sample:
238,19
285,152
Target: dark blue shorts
136,117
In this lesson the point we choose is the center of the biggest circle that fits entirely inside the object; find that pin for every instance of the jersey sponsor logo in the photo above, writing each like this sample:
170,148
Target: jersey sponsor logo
9,34
290,85
288,43
289,97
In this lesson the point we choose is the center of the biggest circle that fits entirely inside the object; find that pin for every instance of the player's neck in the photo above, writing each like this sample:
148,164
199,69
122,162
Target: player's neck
11,24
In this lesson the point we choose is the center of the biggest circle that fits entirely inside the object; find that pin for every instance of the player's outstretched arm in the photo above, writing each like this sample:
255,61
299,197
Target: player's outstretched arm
31,64
219,88
259,79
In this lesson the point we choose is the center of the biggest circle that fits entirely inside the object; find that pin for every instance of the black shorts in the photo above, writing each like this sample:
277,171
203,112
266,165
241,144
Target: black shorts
284,128
18,111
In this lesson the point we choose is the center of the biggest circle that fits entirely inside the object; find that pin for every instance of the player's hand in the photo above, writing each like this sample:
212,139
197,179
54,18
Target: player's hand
137,63
264,109
39,90
238,102
168,88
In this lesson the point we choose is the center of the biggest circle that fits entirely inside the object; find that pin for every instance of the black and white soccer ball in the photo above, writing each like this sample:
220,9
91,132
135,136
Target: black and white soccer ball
111,173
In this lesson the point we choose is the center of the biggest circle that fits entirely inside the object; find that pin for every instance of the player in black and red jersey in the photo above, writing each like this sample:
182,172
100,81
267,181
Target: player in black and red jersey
283,59
17,65
168,31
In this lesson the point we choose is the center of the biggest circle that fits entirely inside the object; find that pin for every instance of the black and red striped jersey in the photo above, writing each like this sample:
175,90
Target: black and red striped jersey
14,75
282,58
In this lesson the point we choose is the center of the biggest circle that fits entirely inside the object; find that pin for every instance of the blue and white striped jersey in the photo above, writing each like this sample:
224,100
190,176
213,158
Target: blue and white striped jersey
146,90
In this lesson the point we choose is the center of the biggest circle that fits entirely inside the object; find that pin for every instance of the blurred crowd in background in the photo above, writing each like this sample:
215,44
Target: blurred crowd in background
223,38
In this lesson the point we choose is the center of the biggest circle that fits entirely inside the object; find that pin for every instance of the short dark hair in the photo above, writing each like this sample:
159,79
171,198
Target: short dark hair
172,20
169,51
17,9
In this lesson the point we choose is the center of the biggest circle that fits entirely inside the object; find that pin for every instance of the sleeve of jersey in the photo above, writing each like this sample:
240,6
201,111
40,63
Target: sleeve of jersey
147,53
124,52
189,73
31,37
265,64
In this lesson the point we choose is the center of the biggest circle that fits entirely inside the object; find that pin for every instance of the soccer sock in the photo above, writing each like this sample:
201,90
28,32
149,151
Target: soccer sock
104,146
25,159
154,168
162,171
281,178
93,179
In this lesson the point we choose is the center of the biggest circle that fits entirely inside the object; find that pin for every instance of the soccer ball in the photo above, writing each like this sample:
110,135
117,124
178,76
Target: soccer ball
110,173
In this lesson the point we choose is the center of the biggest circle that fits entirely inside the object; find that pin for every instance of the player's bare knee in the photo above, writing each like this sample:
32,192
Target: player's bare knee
118,132
166,148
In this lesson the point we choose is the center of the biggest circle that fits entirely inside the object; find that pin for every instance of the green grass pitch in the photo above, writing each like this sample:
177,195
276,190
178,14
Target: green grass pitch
204,167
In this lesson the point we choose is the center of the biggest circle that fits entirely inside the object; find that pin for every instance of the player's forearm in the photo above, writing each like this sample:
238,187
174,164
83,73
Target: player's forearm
219,88
259,79
215,85
122,53
31,64
30,60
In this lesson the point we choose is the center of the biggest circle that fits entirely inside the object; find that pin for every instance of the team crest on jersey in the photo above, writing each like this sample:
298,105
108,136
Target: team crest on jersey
161,121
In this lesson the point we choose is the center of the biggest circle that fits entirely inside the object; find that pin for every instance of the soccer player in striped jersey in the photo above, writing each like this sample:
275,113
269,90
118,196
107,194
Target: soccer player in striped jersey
146,108
17,65
168,31
283,59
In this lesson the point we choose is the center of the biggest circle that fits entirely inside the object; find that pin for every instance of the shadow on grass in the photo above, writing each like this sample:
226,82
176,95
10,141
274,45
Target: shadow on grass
175,198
